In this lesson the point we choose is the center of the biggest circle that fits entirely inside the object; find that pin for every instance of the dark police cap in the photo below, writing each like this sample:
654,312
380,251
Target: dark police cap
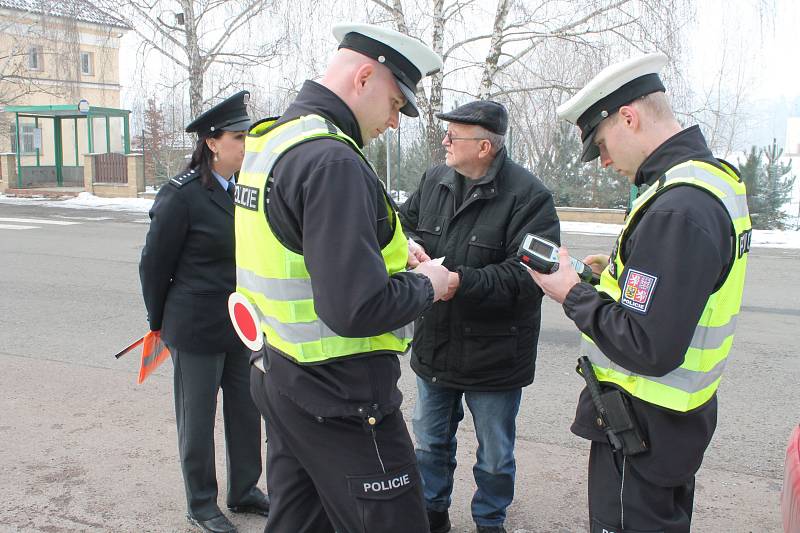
615,86
407,58
228,115
487,113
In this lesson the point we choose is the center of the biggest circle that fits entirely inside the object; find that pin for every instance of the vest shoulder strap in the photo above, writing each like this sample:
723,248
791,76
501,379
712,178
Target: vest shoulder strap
731,169
297,131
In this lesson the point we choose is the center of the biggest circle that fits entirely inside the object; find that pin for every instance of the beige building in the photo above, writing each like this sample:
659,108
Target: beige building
58,54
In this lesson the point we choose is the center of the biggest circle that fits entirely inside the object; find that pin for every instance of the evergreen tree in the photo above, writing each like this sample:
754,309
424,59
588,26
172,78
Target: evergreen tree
768,185
414,163
612,190
751,170
376,154
561,169
778,186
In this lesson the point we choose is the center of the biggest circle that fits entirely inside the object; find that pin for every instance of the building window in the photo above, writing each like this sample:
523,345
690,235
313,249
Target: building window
26,138
35,58
87,63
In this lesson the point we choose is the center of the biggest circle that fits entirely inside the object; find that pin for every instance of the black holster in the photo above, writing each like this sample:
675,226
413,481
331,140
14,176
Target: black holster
622,422
614,414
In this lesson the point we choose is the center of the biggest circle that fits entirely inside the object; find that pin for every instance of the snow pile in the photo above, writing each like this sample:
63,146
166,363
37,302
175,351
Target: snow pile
761,238
85,200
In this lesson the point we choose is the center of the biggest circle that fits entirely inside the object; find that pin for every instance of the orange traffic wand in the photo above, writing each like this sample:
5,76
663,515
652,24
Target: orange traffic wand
154,352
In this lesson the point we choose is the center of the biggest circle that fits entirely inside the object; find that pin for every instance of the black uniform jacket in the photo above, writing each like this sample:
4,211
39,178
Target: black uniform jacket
485,337
188,266
683,240
328,204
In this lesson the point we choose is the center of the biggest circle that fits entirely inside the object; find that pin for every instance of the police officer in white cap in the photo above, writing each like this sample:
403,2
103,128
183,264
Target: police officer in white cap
314,225
658,328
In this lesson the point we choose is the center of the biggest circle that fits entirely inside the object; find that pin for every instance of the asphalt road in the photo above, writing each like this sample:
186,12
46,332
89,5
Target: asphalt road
86,449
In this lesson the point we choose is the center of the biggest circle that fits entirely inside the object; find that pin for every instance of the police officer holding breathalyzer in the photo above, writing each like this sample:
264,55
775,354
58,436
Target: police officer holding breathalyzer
658,329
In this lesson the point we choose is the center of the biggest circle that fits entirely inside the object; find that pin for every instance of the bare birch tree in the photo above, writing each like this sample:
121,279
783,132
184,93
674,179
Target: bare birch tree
196,36
515,55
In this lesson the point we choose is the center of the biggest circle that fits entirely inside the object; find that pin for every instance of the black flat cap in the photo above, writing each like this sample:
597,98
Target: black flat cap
487,113
228,115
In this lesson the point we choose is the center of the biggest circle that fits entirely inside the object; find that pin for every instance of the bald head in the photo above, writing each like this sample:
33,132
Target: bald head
341,68
368,88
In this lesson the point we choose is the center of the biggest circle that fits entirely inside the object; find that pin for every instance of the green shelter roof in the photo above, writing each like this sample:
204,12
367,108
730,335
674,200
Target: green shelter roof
68,111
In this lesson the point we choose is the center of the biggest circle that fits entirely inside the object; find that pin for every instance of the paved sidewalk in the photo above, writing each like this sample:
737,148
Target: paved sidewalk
86,449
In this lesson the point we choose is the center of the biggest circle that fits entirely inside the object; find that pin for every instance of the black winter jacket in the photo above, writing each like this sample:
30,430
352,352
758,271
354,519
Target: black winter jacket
485,337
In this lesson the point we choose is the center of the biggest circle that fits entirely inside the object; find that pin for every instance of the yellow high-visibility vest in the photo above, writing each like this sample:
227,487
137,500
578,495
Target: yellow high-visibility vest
274,278
693,383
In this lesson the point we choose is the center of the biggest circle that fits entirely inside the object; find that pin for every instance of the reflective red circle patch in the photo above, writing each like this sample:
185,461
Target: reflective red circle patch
245,321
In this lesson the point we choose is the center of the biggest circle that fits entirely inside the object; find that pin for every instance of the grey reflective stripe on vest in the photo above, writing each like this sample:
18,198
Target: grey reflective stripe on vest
288,290
284,290
704,338
303,332
735,203
689,381
711,338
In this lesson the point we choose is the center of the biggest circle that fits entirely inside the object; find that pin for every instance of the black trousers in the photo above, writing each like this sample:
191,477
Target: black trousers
337,474
198,378
622,501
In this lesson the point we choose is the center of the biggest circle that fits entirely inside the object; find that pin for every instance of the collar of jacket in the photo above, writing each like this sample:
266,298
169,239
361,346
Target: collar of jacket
686,145
450,178
314,98
219,196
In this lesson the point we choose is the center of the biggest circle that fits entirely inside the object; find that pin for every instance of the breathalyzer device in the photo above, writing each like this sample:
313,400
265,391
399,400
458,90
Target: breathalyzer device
541,255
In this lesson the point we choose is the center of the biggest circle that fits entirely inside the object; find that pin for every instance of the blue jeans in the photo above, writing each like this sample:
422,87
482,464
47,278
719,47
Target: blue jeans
436,416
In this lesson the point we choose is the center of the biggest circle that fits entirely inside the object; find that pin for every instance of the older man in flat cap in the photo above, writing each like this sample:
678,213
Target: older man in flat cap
479,343
658,328
322,256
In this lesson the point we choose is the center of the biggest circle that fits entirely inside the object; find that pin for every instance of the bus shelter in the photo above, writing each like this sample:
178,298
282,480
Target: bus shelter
51,140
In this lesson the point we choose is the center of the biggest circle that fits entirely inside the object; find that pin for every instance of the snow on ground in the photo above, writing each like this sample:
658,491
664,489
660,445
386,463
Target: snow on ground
761,238
85,200
591,228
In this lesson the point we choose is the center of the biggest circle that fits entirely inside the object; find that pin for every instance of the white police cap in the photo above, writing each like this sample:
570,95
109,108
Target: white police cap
615,86
407,58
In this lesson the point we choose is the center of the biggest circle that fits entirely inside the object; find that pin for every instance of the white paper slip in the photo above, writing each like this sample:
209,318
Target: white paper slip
438,260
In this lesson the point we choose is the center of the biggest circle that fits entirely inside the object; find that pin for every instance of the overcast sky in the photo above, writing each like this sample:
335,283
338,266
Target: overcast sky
766,39
758,41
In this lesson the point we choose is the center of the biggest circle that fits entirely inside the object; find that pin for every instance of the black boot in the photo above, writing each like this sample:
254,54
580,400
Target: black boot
491,529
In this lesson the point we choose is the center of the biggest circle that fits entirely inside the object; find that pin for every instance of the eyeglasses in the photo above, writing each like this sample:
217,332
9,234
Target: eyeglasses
449,138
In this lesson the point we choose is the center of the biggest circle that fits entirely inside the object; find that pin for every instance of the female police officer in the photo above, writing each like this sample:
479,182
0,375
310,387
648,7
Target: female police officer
187,271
